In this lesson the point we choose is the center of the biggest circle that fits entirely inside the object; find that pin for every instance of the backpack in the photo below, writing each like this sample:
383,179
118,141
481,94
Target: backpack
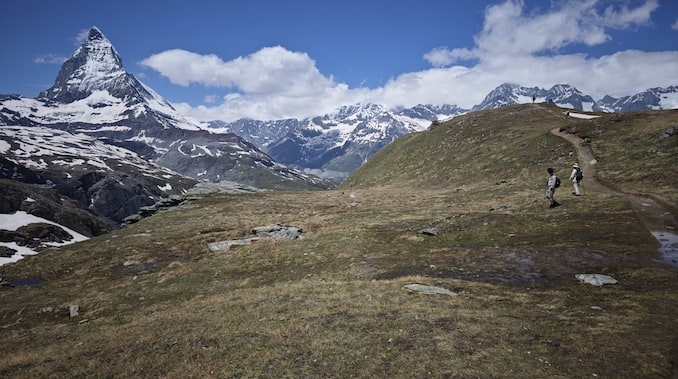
557,182
579,176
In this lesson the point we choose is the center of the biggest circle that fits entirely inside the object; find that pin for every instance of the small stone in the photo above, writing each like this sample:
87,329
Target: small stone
74,310
429,231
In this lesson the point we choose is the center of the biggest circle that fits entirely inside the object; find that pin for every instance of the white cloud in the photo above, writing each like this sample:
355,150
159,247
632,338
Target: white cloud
50,59
509,31
512,46
60,59
269,70
674,26
268,84
274,106
625,18
440,56
81,37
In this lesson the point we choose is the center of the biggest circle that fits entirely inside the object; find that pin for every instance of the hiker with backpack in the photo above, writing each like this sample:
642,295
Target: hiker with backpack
576,177
551,185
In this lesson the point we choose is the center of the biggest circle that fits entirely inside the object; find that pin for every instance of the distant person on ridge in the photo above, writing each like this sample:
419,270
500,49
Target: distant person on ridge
576,176
551,186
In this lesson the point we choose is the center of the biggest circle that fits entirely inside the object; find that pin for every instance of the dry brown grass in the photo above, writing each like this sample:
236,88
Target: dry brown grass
156,302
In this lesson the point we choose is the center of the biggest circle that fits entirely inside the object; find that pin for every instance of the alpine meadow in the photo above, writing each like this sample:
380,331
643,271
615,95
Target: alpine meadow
438,257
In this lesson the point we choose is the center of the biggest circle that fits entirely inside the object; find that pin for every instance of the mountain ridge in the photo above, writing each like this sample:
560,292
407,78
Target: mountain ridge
336,144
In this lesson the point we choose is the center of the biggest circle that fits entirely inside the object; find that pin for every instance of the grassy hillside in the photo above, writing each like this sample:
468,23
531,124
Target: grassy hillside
477,149
633,153
154,301
514,144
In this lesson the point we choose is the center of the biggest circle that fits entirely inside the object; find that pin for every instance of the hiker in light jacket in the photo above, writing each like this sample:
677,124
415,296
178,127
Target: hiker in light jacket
551,189
575,179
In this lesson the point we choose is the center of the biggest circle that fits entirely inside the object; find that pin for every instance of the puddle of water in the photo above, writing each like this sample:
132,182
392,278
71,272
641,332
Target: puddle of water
25,282
669,249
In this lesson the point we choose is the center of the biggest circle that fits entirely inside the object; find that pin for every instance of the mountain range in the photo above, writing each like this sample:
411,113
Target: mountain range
111,145
334,145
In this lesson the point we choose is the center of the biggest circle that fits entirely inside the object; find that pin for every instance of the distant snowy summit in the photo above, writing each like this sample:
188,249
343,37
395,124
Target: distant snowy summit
567,96
654,98
562,95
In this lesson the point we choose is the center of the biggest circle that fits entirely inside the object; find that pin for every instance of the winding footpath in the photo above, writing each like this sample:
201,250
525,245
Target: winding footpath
651,214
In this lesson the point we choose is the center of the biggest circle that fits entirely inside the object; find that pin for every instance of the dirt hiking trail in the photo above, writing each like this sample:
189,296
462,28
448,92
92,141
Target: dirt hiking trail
656,219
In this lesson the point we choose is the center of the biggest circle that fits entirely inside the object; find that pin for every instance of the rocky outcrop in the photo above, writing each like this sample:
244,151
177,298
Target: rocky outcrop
273,232
48,203
36,236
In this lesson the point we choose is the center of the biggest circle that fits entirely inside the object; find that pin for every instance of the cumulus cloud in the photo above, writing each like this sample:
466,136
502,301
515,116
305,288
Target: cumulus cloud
674,26
514,45
509,31
441,56
210,99
269,70
270,83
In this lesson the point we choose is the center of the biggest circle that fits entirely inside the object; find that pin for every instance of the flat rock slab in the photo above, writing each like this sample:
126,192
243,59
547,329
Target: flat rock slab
277,232
428,290
273,232
595,279
226,245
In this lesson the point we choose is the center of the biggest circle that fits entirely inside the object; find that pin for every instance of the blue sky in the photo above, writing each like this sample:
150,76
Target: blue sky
270,59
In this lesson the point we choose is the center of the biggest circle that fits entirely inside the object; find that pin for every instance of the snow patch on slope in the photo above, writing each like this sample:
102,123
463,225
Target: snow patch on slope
16,220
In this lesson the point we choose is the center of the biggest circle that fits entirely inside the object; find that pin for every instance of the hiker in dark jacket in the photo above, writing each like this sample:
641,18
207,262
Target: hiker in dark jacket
576,177
551,188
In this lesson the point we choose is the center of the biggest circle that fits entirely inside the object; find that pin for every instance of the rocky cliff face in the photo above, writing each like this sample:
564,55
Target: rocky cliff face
108,181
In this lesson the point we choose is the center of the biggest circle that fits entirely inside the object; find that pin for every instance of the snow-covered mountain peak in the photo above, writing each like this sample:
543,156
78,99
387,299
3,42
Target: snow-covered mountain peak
356,111
565,90
93,87
95,65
